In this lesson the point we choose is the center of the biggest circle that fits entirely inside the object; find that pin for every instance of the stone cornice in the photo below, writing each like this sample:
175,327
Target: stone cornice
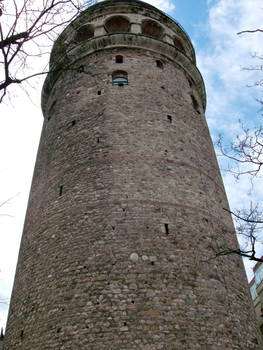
76,52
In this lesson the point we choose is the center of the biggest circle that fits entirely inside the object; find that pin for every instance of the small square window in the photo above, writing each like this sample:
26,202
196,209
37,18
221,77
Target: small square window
119,59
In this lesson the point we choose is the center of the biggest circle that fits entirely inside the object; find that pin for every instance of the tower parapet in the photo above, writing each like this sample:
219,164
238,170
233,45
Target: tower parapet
113,24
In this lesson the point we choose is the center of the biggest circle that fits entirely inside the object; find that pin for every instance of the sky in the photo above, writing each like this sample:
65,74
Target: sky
222,56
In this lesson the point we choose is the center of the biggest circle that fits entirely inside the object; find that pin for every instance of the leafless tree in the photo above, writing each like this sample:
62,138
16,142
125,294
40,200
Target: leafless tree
246,152
249,227
28,29
246,158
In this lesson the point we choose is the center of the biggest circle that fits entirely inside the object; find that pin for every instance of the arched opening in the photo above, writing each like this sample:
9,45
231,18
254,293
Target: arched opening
119,78
152,28
117,24
178,44
119,59
84,33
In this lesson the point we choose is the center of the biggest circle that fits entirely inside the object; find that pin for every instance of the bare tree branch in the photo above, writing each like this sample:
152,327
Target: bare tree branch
246,158
244,218
246,150
28,30
249,254
251,31
13,39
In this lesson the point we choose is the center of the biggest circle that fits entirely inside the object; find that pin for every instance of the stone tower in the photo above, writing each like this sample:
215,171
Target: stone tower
125,210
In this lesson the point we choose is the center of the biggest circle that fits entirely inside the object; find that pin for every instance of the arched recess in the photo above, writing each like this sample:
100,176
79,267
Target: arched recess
178,44
119,78
152,28
117,24
85,32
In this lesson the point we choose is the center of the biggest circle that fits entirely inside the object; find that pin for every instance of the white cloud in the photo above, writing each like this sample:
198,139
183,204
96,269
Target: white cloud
164,5
222,60
220,63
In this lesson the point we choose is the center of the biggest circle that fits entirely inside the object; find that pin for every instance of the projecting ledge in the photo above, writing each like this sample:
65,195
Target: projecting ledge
76,52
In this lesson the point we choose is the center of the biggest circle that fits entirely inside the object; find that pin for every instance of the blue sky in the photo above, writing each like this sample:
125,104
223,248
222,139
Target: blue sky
190,14
212,26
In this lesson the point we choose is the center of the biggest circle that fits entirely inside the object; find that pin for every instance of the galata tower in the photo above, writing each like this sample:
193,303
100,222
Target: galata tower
126,206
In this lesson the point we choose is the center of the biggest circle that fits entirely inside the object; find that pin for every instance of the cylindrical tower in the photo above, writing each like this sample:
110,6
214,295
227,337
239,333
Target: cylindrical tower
126,205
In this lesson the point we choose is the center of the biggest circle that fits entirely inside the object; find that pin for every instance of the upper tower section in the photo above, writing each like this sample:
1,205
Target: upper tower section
123,23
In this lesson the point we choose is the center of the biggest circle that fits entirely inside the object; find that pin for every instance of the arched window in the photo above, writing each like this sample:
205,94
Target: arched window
117,24
119,59
84,33
152,28
178,44
119,78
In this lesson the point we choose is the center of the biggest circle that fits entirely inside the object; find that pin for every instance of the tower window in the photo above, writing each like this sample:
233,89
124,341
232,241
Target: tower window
81,69
169,117
119,81
119,59
166,229
119,78
159,64
60,190
152,28
117,24
84,33
195,105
